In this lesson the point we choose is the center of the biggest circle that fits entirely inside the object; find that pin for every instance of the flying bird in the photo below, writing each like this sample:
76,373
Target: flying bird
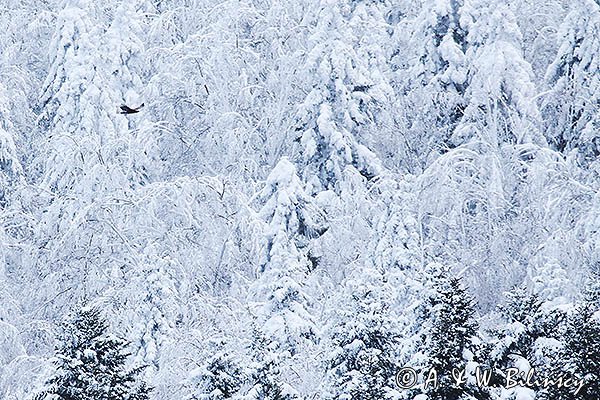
128,110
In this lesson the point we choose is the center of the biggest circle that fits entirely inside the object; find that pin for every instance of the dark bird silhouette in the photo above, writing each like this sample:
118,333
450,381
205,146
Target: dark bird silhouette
128,110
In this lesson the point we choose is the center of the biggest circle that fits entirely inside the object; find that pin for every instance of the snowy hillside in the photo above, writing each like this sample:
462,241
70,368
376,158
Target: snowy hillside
299,199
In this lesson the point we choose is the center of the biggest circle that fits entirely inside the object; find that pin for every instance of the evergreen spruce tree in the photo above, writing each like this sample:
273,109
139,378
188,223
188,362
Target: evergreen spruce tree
582,347
91,363
291,221
528,337
436,83
579,357
266,375
343,93
449,339
220,378
285,326
362,340
527,321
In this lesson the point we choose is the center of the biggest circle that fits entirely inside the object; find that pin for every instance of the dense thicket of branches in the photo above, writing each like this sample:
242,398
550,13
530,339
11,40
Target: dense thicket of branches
309,189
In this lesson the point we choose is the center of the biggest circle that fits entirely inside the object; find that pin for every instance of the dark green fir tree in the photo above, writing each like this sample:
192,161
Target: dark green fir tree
449,340
91,363
266,377
579,358
220,378
527,321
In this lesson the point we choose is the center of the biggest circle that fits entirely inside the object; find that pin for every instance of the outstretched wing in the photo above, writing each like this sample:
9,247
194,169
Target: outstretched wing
127,110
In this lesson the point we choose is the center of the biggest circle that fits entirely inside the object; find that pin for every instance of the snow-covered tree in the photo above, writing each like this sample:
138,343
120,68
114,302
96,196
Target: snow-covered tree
135,146
295,168
291,221
361,339
449,338
579,356
88,154
95,67
464,185
539,23
167,283
153,308
500,107
395,249
571,108
527,322
11,172
343,94
91,363
528,338
544,189
266,379
436,83
396,241
74,110
219,378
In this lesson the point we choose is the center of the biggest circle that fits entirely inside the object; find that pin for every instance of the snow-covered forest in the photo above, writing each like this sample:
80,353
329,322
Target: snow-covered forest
296,199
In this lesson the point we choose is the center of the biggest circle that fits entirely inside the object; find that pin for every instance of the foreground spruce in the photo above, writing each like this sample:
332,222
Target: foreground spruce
91,363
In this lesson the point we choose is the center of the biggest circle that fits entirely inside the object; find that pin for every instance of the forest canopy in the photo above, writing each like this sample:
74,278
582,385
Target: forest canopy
260,199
